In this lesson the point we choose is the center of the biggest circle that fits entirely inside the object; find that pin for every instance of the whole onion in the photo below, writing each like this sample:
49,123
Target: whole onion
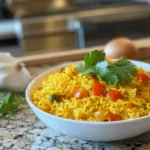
121,47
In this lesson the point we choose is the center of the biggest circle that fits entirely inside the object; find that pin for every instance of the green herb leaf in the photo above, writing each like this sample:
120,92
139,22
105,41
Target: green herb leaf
118,72
90,61
80,68
90,70
92,58
9,102
105,74
5,107
123,69
4,97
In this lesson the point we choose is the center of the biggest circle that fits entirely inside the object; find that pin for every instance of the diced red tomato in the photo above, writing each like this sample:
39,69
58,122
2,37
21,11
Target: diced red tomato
98,89
114,95
74,90
112,117
144,76
80,93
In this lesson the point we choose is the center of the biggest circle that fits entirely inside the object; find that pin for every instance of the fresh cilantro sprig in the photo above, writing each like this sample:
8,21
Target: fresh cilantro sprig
118,72
9,102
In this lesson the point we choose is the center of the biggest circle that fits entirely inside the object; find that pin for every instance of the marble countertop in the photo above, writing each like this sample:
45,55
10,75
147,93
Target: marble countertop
24,131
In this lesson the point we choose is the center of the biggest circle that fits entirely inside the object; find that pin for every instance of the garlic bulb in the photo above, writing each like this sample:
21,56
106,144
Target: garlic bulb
13,75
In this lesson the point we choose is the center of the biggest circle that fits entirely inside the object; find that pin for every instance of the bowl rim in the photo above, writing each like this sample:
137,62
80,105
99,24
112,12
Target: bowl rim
27,93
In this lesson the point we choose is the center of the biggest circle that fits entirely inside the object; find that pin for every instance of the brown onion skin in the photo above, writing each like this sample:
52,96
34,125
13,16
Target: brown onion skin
121,47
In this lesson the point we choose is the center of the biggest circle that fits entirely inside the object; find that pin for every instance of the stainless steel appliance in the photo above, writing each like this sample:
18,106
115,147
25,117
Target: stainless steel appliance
55,25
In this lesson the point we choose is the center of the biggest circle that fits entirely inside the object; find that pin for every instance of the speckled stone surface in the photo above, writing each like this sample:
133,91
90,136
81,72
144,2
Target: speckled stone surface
20,130
24,131
51,139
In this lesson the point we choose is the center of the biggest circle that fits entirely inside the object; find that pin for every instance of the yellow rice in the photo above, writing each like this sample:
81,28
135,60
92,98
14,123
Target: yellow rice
134,94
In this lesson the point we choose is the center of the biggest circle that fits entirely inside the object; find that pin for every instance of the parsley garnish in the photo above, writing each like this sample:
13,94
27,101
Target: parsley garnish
118,72
9,102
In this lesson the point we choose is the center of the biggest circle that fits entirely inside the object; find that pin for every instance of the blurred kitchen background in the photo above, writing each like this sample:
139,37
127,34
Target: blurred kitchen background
37,26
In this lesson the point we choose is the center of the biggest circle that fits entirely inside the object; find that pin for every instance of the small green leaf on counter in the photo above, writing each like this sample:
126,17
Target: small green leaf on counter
9,102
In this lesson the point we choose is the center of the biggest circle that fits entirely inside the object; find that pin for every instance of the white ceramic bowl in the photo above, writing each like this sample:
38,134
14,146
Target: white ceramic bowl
94,131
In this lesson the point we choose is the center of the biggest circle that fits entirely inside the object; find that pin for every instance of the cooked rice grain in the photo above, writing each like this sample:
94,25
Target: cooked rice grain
135,95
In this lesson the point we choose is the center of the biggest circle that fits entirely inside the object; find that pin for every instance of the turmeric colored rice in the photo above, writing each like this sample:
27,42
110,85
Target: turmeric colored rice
135,101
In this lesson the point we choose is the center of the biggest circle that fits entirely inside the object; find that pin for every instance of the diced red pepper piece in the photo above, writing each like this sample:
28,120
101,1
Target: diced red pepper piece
114,95
74,90
144,76
112,117
98,89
